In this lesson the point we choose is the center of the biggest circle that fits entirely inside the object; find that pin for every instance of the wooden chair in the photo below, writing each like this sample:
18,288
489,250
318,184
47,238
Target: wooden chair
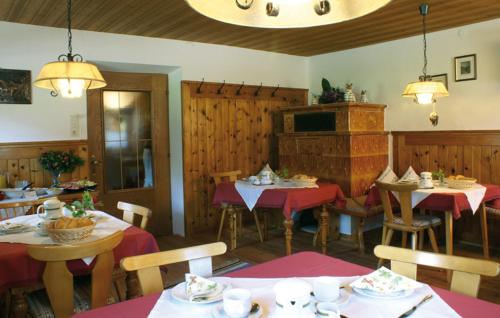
58,280
467,272
148,265
131,210
406,222
232,176
20,208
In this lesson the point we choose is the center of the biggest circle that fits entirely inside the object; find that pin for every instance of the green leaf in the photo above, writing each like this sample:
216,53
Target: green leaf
325,84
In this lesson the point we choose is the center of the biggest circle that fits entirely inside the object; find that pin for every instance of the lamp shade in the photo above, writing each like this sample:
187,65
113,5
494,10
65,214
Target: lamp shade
69,78
425,92
285,13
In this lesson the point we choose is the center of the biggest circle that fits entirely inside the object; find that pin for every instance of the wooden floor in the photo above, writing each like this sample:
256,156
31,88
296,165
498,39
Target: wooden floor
252,251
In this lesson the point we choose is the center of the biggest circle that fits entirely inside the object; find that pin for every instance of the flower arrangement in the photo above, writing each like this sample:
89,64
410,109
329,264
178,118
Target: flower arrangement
57,162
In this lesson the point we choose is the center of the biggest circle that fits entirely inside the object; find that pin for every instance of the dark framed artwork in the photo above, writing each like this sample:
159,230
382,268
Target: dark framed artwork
15,86
443,78
465,68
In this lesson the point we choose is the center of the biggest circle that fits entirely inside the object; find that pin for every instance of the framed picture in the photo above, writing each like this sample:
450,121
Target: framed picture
15,86
443,78
465,68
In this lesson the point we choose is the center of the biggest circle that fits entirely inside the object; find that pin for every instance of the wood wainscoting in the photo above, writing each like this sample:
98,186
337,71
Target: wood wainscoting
473,153
20,160
223,130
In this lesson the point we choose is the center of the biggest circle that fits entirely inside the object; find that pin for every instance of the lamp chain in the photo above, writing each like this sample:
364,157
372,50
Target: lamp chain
424,69
70,35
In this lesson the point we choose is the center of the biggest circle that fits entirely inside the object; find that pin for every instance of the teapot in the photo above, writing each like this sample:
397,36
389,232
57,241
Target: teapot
292,297
52,209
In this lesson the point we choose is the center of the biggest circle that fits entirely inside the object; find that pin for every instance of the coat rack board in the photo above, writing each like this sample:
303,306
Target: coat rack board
224,131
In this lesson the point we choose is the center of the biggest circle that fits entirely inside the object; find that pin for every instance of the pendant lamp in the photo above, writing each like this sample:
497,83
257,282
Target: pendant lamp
70,75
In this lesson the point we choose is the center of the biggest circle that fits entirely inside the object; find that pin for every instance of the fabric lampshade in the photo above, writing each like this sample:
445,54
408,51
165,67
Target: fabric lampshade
425,92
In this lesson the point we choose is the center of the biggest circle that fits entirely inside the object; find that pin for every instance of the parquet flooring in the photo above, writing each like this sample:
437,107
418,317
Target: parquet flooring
252,251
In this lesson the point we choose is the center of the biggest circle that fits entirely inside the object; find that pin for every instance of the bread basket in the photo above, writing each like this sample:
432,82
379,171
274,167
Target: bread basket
462,183
303,180
70,235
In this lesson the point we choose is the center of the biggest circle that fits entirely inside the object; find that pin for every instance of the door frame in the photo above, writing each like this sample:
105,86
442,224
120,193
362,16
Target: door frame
157,85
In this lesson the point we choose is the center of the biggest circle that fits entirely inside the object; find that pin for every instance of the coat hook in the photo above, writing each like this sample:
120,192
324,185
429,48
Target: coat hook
219,90
201,84
258,90
238,91
273,94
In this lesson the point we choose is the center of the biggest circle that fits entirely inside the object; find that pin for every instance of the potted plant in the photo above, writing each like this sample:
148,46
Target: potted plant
57,162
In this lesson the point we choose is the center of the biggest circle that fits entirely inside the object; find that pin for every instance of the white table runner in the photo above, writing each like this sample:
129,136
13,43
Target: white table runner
475,195
105,225
357,306
251,193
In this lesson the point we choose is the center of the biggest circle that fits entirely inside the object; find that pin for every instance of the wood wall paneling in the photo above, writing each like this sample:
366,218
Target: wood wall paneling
470,153
20,160
223,132
167,19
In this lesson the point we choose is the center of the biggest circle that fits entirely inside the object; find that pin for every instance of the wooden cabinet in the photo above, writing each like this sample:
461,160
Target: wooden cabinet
352,154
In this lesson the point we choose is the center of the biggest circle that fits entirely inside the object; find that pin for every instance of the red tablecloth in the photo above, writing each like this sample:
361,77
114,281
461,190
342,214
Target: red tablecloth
17,268
303,265
287,199
456,202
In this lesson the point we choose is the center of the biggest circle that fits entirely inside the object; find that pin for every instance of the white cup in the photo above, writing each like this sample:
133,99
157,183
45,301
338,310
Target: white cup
52,209
329,310
252,179
326,288
237,302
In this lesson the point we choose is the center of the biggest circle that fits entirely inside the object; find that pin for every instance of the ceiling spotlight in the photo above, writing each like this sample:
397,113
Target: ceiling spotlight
244,4
322,7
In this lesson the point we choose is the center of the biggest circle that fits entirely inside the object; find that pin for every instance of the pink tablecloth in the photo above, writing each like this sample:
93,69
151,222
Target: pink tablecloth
303,265
17,268
456,202
287,199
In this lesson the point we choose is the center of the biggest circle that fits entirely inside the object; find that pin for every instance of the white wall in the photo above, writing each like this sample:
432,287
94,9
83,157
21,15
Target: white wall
384,70
48,118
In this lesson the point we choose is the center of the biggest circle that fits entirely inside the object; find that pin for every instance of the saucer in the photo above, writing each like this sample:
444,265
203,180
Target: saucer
218,312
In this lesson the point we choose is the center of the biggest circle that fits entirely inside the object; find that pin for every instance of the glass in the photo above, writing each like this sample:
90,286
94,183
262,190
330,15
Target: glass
128,158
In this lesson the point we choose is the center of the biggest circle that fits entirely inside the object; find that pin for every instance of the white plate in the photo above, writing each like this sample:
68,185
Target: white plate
179,292
372,294
218,312
344,295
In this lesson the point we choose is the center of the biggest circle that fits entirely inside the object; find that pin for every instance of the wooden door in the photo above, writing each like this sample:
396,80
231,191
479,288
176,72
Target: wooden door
129,145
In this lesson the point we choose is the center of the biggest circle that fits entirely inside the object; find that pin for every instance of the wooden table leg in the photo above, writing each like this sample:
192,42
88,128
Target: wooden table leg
484,230
448,221
288,236
232,226
325,228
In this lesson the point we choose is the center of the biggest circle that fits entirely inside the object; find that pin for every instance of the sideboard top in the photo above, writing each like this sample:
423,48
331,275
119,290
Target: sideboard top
333,106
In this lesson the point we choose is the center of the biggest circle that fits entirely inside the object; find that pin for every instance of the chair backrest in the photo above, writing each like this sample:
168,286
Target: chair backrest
467,272
58,280
230,176
148,265
13,209
404,193
130,210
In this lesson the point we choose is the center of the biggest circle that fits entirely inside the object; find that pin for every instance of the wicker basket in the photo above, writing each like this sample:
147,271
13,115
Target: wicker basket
70,235
464,183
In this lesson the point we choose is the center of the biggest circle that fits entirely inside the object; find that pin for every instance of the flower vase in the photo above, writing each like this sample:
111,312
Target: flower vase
55,178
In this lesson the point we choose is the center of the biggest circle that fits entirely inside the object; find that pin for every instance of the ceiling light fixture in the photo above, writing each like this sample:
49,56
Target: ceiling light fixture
285,13
425,91
69,75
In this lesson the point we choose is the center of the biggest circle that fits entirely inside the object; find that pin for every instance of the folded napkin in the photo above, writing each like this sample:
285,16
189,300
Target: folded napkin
409,176
384,281
199,288
11,228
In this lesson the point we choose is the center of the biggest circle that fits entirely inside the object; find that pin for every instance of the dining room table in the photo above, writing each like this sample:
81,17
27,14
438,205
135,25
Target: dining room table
19,273
288,199
453,204
307,264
